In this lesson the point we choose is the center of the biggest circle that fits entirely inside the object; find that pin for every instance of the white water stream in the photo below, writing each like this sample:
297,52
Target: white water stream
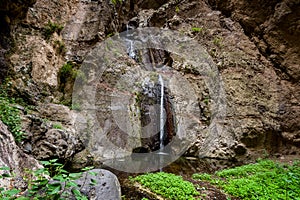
161,113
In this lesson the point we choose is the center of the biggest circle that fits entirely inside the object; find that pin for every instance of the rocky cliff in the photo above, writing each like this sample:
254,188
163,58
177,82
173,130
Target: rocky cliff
254,46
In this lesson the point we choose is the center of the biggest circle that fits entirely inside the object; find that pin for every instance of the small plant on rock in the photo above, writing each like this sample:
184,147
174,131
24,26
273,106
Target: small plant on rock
51,28
218,41
197,29
58,126
60,47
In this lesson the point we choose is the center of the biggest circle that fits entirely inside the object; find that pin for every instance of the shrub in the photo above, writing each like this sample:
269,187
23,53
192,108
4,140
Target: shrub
70,72
66,71
40,187
10,116
60,47
51,28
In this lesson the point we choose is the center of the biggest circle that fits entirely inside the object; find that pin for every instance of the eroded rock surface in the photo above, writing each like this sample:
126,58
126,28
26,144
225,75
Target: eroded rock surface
12,156
50,133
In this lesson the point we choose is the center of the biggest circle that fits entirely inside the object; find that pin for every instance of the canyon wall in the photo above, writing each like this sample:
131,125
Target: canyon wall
254,46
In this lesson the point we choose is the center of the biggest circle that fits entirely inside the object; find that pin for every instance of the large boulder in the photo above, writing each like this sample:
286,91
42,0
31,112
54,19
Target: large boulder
105,185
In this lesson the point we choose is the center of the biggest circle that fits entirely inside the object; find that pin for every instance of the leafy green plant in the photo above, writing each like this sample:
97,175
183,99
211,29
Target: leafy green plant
203,177
51,28
197,29
116,1
57,126
265,179
218,41
60,47
76,106
10,116
40,187
69,71
168,185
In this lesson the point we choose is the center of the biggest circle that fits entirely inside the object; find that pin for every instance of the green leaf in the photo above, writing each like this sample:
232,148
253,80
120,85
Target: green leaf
93,173
53,160
75,175
11,192
59,177
4,168
45,163
40,171
22,198
54,189
77,193
93,182
63,171
6,175
71,184
87,168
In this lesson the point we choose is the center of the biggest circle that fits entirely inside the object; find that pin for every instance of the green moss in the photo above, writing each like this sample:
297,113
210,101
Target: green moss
168,185
263,180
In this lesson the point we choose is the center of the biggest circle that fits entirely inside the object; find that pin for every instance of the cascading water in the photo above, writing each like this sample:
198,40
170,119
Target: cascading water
130,47
158,124
161,113
161,120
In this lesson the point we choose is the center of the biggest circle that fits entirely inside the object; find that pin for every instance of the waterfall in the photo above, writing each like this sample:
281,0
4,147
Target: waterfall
130,47
161,113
